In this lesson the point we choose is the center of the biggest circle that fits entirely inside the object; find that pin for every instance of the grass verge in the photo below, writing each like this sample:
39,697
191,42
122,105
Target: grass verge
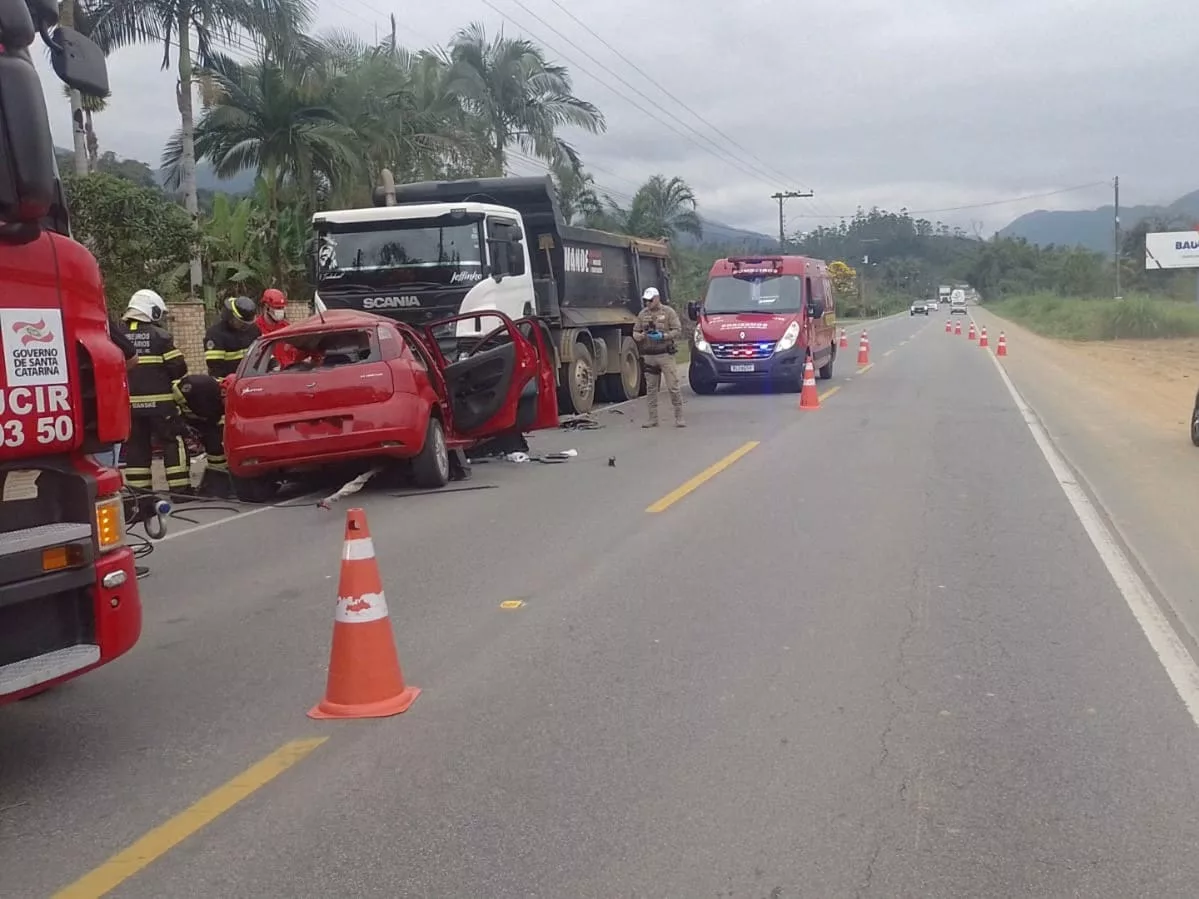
1074,318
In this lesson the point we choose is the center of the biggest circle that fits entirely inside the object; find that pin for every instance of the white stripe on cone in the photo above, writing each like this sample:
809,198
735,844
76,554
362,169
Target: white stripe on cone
358,549
360,609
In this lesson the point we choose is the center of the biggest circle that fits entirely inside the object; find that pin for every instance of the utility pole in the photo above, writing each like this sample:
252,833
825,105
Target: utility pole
787,195
1116,234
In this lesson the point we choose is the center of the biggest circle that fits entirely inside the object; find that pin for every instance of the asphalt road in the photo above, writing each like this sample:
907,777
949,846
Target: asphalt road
876,656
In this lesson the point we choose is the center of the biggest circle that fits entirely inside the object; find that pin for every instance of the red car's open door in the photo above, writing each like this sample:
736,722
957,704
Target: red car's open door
500,385
539,408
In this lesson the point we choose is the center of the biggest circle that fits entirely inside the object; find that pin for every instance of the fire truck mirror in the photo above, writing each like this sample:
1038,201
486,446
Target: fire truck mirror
79,62
27,172
44,12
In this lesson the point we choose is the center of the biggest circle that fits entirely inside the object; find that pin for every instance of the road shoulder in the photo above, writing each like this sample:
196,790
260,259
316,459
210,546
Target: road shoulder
1121,421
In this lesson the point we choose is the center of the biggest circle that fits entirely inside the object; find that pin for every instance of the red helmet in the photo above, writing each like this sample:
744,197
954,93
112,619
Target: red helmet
274,299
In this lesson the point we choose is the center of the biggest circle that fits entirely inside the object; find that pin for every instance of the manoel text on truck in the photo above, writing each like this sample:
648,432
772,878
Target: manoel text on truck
68,592
434,250
760,321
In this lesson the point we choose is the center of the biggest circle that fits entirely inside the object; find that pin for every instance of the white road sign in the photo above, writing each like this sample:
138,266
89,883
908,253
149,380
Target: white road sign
1172,249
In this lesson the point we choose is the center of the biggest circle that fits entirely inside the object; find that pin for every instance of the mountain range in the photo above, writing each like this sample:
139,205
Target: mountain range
1092,228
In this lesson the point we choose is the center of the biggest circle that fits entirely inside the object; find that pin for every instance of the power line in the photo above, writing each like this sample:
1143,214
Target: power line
1049,193
718,152
778,173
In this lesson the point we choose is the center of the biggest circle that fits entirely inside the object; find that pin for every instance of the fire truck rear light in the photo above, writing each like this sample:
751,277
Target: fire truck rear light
110,524
56,558
113,579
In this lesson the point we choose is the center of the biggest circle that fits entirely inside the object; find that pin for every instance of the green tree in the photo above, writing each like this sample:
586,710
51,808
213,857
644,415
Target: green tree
520,98
108,162
173,23
273,116
661,208
137,234
577,195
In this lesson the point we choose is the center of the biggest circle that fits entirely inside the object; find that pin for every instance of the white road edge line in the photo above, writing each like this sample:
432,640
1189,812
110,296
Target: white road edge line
1171,652
236,516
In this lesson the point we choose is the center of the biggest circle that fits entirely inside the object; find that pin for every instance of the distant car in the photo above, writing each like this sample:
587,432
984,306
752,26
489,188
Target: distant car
920,307
352,387
957,307
1195,422
933,305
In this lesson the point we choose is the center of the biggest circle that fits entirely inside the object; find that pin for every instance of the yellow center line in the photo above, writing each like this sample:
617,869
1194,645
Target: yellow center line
703,477
888,353
824,396
162,839
865,368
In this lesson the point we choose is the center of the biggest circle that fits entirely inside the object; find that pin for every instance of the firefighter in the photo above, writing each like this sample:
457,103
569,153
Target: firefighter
227,341
272,318
202,403
274,312
154,415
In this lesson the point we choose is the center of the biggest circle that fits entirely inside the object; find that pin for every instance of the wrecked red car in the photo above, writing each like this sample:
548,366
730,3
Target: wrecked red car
351,386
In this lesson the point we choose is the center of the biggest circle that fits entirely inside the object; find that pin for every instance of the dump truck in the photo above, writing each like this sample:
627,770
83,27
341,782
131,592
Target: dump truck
432,250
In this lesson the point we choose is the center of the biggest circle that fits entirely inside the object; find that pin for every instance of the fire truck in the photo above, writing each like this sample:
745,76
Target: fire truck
68,589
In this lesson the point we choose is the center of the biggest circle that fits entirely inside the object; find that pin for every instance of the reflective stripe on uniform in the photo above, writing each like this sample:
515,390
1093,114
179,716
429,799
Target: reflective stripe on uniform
224,355
172,354
150,360
152,398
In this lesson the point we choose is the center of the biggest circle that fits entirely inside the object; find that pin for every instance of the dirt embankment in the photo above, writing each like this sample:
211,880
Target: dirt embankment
1153,382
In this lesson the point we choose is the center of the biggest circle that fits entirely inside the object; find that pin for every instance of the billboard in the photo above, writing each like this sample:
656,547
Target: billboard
1172,249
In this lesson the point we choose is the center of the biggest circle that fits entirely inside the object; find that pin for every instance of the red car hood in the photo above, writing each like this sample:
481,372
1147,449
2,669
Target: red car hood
749,326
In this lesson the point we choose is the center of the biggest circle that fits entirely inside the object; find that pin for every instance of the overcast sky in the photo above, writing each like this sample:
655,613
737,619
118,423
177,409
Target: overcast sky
927,104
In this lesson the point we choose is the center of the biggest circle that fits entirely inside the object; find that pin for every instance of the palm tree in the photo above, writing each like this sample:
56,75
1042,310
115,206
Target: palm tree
520,98
274,117
398,104
577,196
661,208
71,15
174,23
75,14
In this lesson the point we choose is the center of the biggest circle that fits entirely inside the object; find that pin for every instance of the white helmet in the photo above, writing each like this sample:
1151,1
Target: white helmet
146,306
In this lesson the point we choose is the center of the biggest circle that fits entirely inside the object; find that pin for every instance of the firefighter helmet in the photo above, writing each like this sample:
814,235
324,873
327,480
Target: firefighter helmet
243,309
147,306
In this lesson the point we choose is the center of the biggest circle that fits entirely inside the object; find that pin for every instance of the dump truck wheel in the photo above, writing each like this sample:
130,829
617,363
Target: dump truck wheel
626,384
578,388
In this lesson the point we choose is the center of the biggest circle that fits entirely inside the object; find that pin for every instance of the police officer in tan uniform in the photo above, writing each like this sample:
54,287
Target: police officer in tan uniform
657,330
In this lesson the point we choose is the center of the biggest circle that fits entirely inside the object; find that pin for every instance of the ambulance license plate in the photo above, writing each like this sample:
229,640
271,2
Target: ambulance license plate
746,366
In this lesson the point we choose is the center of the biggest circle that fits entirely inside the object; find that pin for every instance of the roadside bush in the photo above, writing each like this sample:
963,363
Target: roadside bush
1142,317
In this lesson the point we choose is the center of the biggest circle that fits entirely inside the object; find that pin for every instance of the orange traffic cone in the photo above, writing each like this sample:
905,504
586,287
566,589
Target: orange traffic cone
864,350
844,339
365,680
948,326
982,340
1001,350
808,397
970,336
957,327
